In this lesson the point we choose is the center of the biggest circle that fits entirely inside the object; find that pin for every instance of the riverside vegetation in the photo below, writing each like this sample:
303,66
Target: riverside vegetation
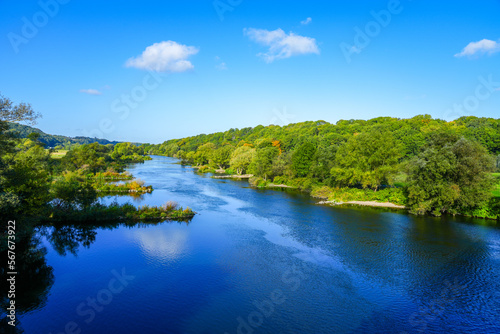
40,187
428,165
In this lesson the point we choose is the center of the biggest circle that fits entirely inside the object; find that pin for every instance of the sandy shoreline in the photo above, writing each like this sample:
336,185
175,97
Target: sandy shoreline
245,176
366,203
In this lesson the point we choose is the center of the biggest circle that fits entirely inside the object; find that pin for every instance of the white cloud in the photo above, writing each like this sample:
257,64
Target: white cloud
222,66
306,21
166,56
90,91
484,46
282,45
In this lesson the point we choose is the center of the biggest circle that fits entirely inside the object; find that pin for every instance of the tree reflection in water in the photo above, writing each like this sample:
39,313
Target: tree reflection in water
68,238
33,280
35,277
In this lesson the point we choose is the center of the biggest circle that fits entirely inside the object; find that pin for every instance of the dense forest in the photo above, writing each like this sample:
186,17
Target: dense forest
429,165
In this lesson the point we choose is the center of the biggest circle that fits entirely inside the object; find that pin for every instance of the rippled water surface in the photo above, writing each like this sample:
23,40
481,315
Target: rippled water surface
264,261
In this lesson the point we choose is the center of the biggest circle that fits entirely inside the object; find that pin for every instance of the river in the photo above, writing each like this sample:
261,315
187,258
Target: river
262,261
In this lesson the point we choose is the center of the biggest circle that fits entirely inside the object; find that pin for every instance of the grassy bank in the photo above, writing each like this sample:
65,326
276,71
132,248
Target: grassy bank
388,195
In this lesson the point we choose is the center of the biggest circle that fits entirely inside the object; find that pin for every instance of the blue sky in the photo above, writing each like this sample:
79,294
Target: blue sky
148,71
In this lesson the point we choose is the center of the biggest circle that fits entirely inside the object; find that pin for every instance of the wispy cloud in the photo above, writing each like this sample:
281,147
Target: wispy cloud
221,66
281,45
90,91
306,21
167,56
482,47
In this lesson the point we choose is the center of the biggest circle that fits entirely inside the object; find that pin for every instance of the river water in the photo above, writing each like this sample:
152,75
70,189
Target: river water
262,261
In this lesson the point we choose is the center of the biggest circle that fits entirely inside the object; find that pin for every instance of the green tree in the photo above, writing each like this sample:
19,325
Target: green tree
35,138
28,178
262,163
221,156
323,162
450,177
263,142
369,159
302,158
19,180
73,192
203,153
94,157
282,165
241,158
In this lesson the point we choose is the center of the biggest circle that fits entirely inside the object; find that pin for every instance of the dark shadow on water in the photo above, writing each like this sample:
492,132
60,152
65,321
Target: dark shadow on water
33,281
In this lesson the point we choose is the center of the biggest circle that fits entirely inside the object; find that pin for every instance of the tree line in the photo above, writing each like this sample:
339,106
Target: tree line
430,165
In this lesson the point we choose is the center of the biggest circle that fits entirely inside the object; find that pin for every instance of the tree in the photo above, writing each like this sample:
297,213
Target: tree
203,153
17,178
35,138
27,177
16,113
282,165
450,177
241,158
323,162
221,156
94,157
302,158
262,162
369,159
263,142
73,193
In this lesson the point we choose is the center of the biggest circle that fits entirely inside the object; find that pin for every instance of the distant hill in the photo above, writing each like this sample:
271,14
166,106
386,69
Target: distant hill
54,140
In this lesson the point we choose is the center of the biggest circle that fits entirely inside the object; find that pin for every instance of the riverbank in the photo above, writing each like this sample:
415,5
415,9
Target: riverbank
389,197
239,177
366,203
